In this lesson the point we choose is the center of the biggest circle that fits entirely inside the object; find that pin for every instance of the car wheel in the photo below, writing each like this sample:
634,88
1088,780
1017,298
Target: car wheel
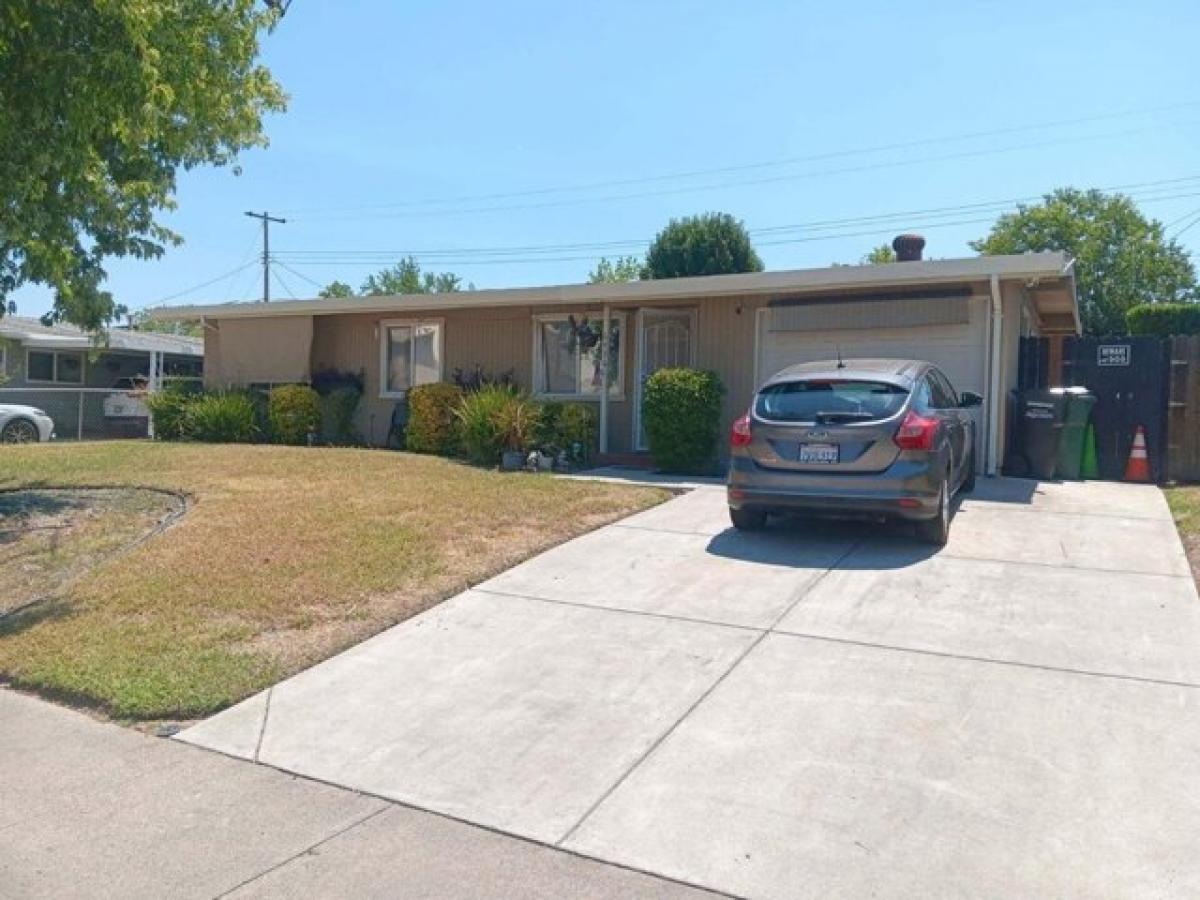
968,484
936,531
19,431
747,519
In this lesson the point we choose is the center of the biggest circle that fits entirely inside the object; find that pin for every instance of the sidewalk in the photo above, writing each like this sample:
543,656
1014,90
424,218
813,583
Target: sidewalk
94,810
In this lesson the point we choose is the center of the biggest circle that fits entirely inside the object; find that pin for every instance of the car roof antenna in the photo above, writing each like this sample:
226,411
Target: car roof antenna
841,364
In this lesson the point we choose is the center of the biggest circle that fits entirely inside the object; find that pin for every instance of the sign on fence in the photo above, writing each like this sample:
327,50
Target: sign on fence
1113,354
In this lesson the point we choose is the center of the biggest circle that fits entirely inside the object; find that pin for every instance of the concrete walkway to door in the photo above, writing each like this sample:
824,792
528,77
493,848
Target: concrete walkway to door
812,711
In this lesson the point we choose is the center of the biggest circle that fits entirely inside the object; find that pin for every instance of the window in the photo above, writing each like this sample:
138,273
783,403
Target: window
54,366
829,402
410,353
940,390
568,356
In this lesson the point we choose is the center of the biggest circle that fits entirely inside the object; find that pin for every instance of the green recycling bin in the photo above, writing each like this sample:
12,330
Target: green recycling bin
1075,421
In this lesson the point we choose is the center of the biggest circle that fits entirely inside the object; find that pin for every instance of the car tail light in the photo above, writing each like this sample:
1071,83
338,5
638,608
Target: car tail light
916,432
740,435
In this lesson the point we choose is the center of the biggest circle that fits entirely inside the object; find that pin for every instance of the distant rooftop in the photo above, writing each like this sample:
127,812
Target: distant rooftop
33,333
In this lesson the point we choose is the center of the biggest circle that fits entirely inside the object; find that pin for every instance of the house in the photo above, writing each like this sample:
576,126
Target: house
83,385
965,315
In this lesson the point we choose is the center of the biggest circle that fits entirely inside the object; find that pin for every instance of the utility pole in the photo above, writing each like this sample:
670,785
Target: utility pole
266,254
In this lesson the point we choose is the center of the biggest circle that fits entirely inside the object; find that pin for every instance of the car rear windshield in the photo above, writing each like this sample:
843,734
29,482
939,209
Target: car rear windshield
830,402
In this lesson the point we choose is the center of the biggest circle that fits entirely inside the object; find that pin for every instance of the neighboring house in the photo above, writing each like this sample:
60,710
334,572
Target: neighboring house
80,382
965,315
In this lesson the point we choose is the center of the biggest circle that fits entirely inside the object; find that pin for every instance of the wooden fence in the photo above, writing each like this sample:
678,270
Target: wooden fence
1183,410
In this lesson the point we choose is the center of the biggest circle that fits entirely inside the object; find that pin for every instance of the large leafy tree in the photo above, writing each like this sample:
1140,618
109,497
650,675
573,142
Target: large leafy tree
1121,257
709,244
618,270
102,102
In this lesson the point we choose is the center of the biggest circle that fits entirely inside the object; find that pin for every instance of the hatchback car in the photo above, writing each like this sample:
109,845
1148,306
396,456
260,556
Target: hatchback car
881,438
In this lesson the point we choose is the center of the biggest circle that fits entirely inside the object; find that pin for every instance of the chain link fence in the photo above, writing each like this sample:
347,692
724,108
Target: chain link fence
82,414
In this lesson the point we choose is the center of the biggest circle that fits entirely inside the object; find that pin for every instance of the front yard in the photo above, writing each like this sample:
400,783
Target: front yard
283,557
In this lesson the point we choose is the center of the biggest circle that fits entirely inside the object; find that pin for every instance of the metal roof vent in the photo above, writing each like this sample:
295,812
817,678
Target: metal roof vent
908,247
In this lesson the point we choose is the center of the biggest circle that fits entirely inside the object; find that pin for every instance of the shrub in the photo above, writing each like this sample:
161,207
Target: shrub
337,415
568,427
681,409
516,423
488,422
1163,319
293,412
168,410
432,423
470,381
222,418
340,392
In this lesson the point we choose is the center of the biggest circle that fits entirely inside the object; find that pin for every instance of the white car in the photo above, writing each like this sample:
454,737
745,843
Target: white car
24,424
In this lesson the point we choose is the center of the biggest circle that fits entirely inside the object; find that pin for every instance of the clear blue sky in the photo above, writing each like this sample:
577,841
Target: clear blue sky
408,103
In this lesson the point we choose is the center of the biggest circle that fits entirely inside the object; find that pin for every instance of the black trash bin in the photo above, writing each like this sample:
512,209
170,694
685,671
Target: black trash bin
1040,416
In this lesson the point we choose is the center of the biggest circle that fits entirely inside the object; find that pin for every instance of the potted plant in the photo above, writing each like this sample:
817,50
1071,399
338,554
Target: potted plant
516,424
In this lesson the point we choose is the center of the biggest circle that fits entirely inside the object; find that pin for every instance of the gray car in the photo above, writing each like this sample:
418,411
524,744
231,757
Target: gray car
883,438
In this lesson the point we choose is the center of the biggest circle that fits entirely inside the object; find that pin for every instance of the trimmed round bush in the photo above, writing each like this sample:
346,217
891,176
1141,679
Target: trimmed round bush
222,418
293,412
1163,319
432,423
681,409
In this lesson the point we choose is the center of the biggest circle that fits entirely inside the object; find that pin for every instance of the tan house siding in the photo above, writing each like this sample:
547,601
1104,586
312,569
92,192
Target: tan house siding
246,351
500,339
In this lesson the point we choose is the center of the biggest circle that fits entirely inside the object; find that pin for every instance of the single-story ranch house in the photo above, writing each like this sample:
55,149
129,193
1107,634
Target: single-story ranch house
81,384
965,315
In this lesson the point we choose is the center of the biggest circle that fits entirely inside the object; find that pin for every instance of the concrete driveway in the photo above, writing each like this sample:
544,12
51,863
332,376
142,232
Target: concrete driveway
813,711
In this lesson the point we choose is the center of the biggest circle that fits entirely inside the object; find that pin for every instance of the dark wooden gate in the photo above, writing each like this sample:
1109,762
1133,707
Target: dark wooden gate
1130,378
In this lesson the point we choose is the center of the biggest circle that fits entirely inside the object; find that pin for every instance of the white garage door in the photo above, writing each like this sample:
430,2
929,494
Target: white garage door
789,335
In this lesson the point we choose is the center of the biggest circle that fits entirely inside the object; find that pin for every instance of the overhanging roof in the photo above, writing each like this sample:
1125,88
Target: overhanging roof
1031,267
32,333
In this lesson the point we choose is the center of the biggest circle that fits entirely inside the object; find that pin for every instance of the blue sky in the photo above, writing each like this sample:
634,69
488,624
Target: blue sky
398,108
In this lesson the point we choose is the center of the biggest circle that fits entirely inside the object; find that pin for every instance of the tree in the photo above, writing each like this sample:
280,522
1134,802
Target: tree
406,277
101,104
616,271
1122,258
879,255
709,244
336,290
141,321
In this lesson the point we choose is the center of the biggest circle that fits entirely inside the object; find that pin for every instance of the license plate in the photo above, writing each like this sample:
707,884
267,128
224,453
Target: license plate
818,453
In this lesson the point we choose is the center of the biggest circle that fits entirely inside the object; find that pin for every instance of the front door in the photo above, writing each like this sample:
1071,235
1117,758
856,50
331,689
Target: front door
666,339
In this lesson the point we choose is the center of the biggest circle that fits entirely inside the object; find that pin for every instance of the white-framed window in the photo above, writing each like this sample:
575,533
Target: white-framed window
54,366
410,353
568,353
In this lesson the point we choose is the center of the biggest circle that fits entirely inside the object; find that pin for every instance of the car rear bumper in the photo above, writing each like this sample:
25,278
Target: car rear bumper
908,489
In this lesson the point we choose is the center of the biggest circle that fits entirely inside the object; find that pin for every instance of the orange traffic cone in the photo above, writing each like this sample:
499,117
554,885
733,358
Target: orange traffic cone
1138,467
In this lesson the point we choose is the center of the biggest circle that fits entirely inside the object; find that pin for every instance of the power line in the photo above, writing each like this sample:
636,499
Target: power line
722,170
284,265
204,284
1188,227
287,287
839,226
266,220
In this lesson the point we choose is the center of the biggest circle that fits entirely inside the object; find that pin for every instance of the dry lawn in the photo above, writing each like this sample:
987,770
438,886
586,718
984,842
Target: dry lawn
284,557
1184,501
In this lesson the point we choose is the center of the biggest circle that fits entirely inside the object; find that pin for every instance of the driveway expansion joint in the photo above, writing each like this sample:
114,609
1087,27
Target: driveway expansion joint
618,609
987,660
658,742
262,728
